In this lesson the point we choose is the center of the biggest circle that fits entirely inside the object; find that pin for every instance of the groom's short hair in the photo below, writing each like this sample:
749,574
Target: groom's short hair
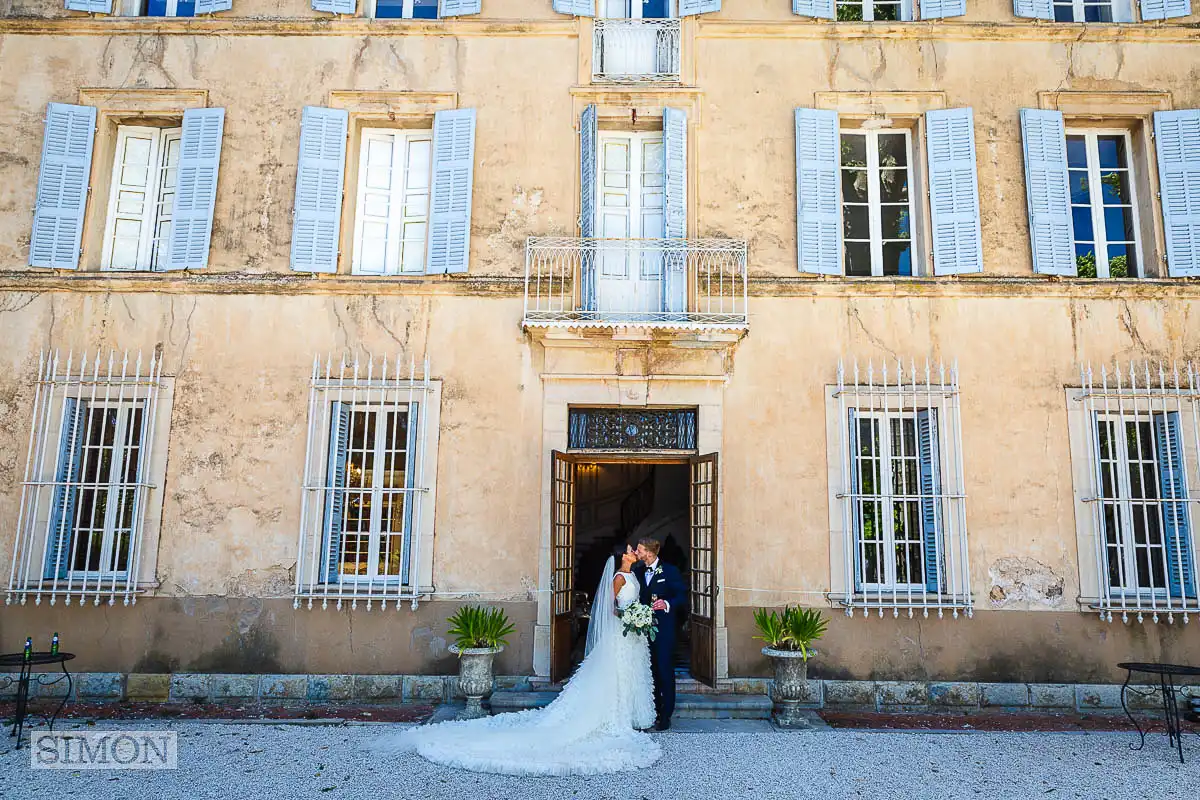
653,545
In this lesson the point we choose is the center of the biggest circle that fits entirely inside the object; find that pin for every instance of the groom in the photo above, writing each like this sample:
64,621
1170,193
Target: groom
663,590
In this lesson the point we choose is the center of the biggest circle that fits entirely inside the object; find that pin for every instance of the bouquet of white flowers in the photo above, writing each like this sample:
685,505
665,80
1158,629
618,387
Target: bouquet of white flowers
639,619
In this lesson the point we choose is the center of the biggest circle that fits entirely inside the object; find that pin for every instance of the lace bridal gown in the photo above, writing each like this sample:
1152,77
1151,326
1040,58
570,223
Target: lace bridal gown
589,729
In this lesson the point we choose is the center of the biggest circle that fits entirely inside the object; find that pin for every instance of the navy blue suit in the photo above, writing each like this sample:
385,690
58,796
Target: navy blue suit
665,584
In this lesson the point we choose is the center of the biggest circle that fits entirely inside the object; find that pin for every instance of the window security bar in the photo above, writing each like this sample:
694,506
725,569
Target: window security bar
364,486
686,283
87,477
903,498
1143,435
635,50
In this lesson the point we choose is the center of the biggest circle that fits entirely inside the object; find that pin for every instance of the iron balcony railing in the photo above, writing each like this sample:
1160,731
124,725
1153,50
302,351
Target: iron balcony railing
635,51
669,283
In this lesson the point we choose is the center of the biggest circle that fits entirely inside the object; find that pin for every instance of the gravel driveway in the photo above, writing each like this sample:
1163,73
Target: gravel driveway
274,762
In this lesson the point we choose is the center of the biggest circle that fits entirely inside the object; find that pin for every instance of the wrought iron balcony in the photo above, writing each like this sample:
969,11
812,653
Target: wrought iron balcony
658,283
635,51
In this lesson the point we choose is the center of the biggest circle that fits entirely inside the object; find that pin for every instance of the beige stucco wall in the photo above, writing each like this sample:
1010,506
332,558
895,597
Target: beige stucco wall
240,337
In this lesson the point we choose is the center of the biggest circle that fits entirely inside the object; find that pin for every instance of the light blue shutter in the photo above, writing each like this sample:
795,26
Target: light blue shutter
410,482
690,8
1047,192
62,187
588,135
335,6
335,489
212,6
450,196
317,216
818,192
576,8
953,192
95,6
821,9
1034,9
460,8
66,492
675,208
195,188
931,506
1180,558
855,520
940,9
1165,9
1177,139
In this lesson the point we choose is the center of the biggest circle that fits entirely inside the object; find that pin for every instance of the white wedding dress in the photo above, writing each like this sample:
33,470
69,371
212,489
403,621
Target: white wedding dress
589,729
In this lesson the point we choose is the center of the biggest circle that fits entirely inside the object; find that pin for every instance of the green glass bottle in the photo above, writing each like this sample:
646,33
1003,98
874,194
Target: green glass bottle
28,648
54,644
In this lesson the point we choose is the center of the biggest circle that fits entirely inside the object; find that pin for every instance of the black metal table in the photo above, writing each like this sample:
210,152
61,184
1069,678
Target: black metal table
1167,673
27,665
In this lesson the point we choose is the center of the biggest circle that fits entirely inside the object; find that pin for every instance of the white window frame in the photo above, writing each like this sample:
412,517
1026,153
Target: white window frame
401,139
406,12
1096,197
868,6
103,380
887,502
1128,392
384,384
157,208
637,141
892,389
874,202
635,10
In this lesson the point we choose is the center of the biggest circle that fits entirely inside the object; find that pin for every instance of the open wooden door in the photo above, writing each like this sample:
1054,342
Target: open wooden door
703,574
562,562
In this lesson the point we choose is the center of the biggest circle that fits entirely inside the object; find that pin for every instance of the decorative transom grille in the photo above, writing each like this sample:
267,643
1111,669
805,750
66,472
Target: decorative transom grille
365,488
903,506
87,476
1143,440
632,429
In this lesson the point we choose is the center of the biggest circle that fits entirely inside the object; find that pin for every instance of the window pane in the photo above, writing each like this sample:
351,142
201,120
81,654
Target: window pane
1080,193
1115,188
849,12
1112,151
887,12
854,150
1076,151
1121,263
856,222
893,149
1081,217
854,186
389,9
897,258
1118,223
895,221
893,185
858,259
1085,260
655,9
1064,12
1100,13
425,9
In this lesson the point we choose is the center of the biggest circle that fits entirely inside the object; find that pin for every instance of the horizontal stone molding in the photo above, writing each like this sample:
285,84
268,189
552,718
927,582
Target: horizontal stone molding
941,30
299,689
286,283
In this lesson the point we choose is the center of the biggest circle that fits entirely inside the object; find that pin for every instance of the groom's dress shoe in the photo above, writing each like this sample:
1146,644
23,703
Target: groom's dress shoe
663,726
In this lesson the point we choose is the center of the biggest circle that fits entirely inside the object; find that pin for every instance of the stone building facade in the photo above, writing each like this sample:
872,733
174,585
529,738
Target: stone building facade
441,304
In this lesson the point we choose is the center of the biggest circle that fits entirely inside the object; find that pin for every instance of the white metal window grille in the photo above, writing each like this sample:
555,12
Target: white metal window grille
365,486
874,10
1083,11
142,198
83,499
392,217
877,213
903,503
1104,210
1143,439
635,50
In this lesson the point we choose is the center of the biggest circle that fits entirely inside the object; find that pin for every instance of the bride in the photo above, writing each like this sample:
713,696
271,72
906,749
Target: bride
589,729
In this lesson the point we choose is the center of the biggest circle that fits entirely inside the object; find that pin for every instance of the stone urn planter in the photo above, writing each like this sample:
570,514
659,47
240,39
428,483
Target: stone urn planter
475,676
790,689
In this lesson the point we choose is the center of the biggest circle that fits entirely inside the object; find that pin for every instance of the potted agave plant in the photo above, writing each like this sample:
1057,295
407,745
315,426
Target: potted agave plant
479,634
788,636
